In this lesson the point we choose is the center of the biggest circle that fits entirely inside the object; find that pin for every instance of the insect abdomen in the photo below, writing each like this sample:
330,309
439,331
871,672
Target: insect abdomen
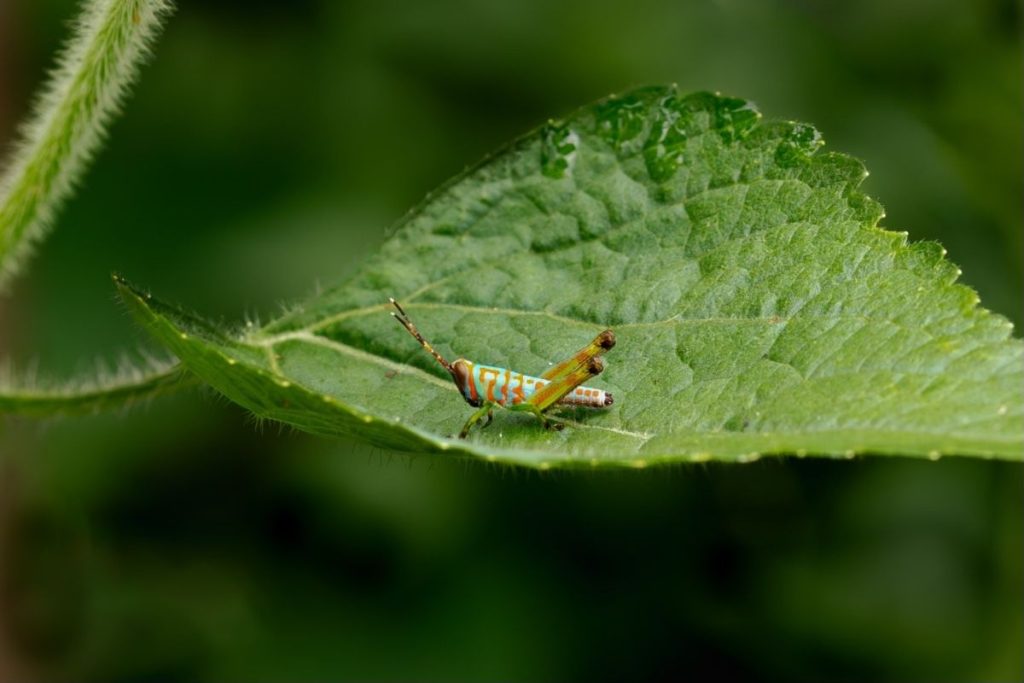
506,387
587,396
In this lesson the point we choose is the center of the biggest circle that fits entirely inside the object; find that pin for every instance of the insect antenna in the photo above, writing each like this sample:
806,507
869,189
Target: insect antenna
402,317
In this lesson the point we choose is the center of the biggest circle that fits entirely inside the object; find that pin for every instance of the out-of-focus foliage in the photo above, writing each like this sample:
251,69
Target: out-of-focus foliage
267,147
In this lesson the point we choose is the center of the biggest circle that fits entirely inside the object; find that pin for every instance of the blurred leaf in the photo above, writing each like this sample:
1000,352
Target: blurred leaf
129,385
759,308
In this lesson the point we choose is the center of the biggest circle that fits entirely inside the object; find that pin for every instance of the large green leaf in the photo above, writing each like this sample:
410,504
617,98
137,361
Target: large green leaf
758,307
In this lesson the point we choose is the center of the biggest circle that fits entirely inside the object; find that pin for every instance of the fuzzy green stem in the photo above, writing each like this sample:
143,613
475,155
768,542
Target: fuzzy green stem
70,119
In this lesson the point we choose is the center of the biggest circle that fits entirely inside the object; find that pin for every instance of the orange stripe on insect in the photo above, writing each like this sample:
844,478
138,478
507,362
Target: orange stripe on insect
487,379
472,384
517,390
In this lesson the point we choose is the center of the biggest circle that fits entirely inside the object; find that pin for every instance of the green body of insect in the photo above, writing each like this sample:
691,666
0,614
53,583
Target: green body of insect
485,387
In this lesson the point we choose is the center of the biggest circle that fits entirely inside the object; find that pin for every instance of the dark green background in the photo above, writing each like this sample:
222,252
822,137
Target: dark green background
267,148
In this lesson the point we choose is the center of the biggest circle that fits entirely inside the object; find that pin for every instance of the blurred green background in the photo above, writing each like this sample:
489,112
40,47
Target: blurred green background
266,149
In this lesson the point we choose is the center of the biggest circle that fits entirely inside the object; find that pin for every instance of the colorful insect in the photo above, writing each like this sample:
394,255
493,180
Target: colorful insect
484,387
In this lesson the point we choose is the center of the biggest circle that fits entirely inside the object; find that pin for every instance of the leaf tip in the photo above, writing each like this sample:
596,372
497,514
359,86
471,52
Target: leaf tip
128,291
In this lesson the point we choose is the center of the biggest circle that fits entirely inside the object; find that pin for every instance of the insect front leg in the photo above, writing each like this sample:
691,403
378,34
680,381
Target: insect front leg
486,409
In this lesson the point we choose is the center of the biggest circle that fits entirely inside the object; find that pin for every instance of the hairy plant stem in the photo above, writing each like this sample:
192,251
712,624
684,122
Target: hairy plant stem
70,119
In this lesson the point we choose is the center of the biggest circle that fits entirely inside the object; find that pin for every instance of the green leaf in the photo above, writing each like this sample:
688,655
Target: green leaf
131,384
758,307
70,120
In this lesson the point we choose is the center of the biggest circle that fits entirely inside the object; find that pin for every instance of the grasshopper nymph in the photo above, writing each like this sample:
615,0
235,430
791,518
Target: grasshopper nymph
484,387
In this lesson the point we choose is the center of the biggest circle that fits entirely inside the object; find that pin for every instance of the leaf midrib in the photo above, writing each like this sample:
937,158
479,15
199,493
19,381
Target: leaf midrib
308,335
642,437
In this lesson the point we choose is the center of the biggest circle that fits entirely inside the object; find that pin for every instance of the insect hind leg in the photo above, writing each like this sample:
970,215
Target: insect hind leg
545,421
